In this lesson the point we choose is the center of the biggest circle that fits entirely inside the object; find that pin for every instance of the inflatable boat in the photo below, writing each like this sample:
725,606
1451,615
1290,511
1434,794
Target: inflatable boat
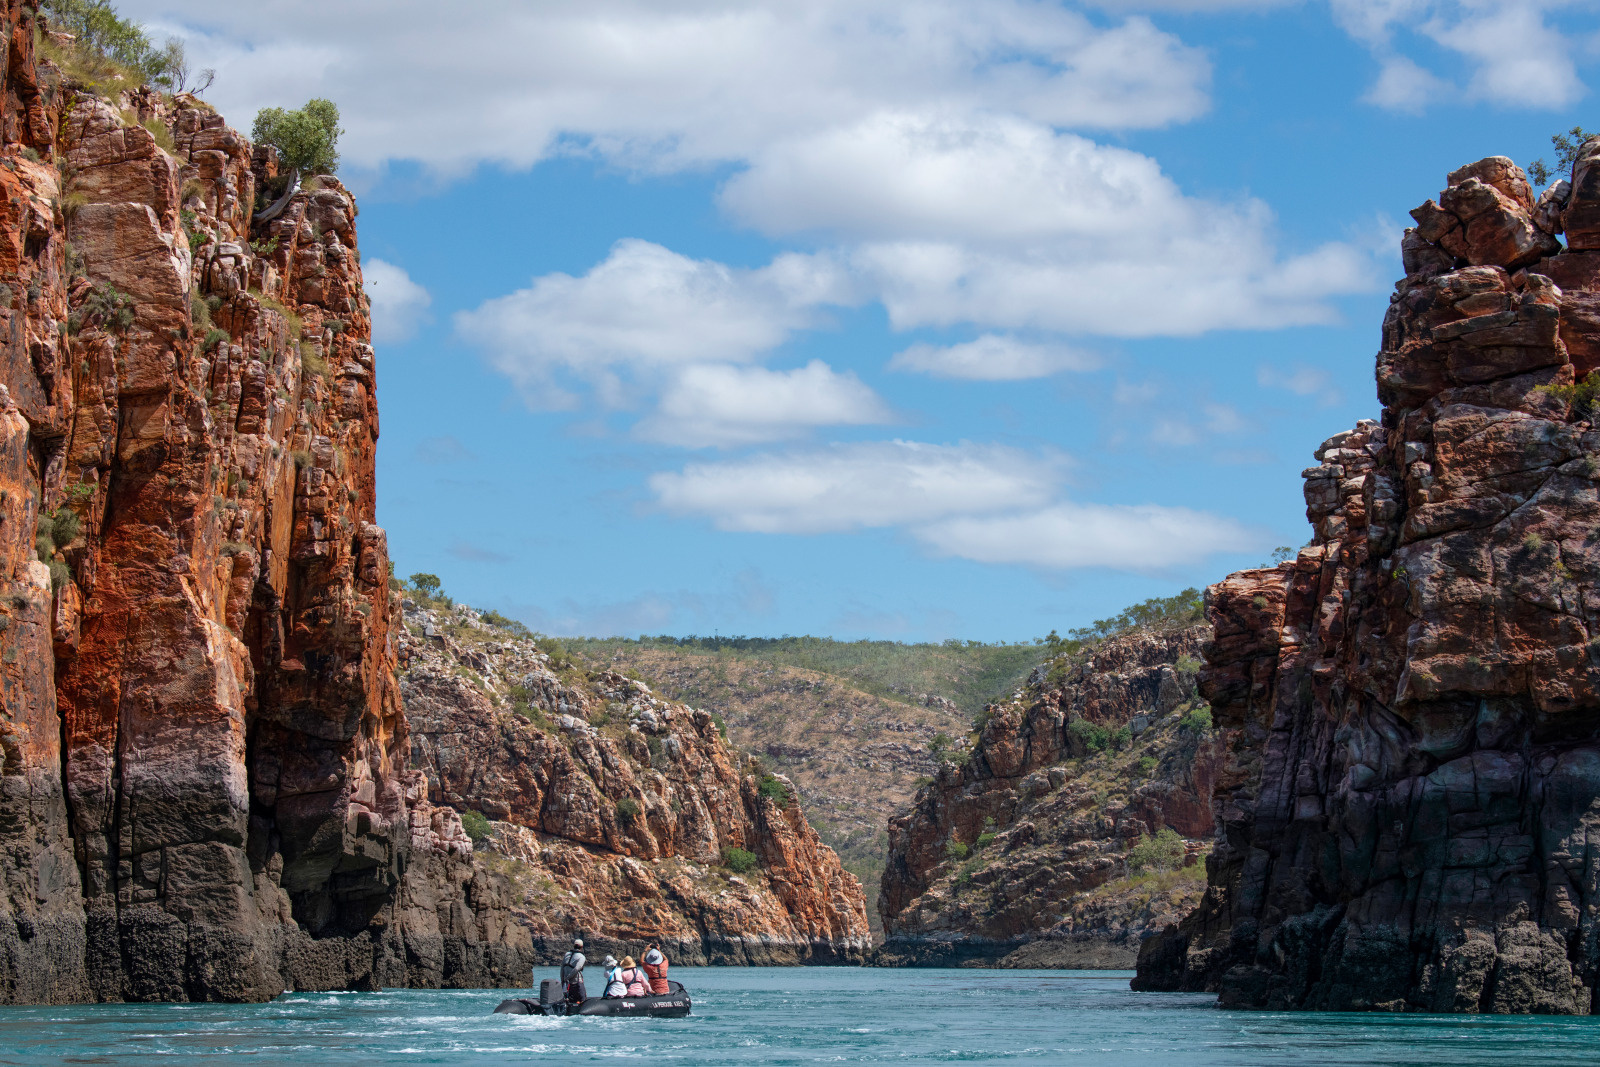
673,1004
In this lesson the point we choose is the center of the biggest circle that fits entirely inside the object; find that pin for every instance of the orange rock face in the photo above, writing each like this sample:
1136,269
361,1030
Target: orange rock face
1060,816
613,809
1407,800
196,625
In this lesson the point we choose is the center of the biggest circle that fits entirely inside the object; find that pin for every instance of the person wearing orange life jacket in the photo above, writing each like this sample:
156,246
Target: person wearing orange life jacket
655,968
633,978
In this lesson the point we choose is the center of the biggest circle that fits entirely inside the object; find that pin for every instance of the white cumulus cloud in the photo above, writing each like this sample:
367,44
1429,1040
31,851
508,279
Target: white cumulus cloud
987,503
847,487
1065,536
399,305
1515,54
1001,221
721,404
671,84
993,358
643,309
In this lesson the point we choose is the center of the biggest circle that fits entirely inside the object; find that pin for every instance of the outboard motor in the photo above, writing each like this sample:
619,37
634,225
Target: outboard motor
549,992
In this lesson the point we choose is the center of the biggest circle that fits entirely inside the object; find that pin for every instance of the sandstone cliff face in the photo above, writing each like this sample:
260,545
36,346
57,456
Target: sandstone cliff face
204,791
1050,885
1409,801
613,808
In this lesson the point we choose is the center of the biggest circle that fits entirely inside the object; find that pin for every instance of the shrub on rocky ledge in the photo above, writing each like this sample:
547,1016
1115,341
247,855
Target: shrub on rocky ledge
1164,852
628,810
774,787
476,825
307,139
738,860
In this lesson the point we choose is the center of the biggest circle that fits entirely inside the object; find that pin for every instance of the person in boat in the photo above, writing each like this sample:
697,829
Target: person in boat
615,986
572,974
655,968
634,978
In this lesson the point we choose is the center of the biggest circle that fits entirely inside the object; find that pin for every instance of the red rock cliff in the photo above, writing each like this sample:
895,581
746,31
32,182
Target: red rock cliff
205,790
613,809
1408,801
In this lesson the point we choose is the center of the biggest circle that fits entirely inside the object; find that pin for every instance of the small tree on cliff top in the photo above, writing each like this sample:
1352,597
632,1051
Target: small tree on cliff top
1566,146
307,139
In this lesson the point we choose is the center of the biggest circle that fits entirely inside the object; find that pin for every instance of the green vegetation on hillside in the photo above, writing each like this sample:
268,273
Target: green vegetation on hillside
112,53
969,673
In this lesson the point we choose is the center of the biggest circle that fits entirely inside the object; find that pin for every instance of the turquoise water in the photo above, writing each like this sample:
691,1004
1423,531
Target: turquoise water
796,1015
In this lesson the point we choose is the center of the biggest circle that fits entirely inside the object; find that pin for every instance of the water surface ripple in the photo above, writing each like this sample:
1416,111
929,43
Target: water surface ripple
796,1015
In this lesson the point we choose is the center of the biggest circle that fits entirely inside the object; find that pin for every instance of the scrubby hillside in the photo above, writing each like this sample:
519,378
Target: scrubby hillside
854,724
1077,824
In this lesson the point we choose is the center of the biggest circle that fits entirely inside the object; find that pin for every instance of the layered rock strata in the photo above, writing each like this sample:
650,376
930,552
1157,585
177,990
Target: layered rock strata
1019,854
612,811
1409,799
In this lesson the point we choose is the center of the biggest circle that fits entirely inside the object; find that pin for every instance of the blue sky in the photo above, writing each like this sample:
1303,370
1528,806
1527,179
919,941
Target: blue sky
879,319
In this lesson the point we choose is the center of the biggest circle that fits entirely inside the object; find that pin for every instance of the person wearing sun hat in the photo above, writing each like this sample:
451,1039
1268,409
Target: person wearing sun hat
655,968
615,986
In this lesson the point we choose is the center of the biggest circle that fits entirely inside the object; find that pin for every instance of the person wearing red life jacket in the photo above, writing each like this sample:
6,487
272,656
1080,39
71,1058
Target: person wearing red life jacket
655,966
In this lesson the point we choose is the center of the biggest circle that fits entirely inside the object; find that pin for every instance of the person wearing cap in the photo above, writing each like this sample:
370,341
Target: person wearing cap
615,986
572,973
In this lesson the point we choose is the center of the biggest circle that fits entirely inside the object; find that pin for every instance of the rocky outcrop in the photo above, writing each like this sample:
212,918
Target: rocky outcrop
1409,796
1019,854
205,791
613,811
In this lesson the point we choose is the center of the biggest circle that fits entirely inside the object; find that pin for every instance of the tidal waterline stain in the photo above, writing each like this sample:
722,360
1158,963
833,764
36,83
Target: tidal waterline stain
795,1016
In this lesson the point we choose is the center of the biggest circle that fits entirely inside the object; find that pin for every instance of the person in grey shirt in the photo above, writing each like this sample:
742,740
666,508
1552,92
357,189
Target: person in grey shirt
572,974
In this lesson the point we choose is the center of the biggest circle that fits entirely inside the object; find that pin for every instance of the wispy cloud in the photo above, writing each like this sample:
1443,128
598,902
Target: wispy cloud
1301,380
981,502
441,450
994,358
471,553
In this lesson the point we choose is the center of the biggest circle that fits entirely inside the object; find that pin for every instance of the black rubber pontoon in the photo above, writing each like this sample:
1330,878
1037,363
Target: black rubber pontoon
672,1004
